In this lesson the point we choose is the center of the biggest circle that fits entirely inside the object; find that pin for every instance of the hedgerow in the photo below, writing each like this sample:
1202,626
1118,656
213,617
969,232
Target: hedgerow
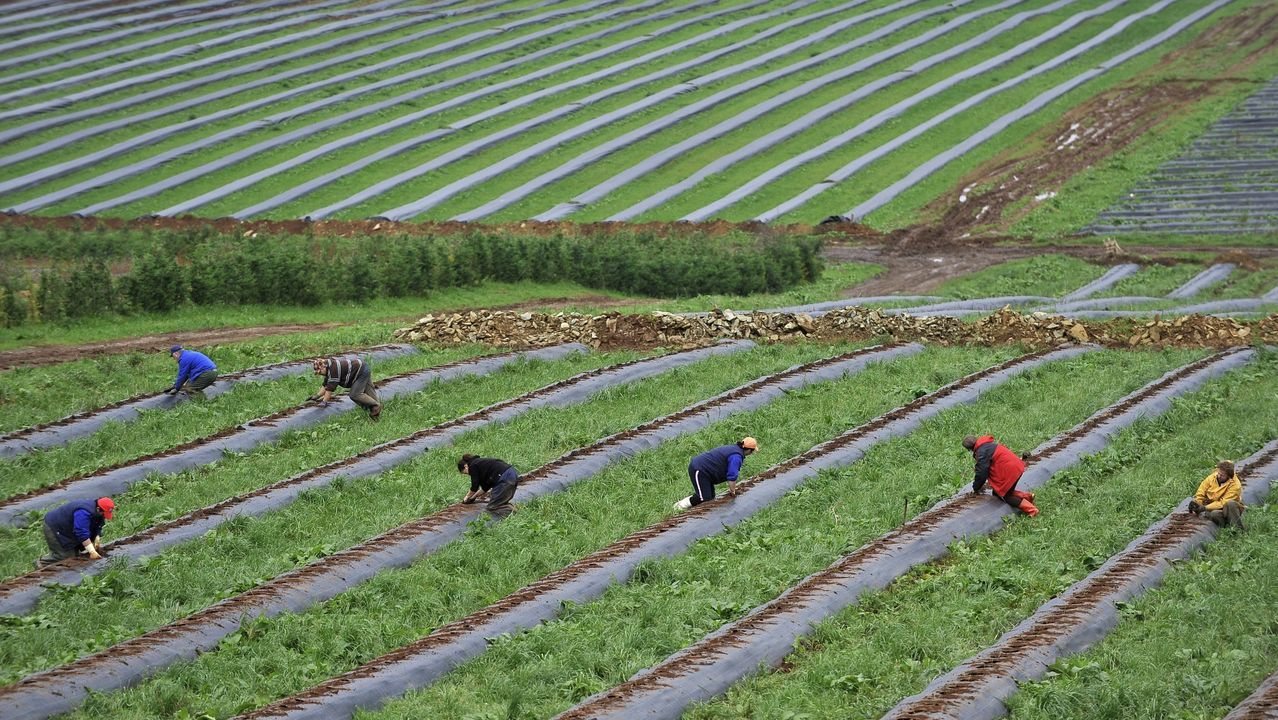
175,269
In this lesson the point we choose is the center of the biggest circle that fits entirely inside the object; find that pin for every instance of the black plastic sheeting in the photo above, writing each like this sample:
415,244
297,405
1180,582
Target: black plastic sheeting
416,117
1215,274
890,114
682,148
417,16
1040,101
254,433
11,27
717,99
1099,595
371,462
75,426
1103,283
367,689
60,690
258,23
48,173
765,636
470,149
968,306
820,308
1260,705
524,155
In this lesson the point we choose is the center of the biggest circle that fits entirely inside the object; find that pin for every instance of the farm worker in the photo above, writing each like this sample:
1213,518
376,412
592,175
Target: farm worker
713,467
492,477
1219,497
1002,468
76,527
195,371
348,372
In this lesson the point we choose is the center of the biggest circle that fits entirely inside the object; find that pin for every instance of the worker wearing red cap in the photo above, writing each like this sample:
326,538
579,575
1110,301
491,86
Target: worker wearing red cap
76,527
713,467
1002,468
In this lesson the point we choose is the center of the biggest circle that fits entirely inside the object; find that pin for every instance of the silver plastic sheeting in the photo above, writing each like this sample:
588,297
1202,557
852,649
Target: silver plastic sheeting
60,690
366,689
1260,705
766,635
252,434
984,691
1104,282
1203,280
89,422
372,462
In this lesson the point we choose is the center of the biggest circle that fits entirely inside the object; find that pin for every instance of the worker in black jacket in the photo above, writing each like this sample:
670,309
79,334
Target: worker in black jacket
492,477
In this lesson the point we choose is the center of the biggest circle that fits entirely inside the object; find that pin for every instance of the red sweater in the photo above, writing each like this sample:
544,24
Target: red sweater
996,464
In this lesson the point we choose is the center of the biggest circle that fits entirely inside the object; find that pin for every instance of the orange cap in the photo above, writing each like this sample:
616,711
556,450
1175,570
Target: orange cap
750,443
108,507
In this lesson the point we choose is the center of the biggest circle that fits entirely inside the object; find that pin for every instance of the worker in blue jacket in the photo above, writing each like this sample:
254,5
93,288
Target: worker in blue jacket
710,468
195,371
74,528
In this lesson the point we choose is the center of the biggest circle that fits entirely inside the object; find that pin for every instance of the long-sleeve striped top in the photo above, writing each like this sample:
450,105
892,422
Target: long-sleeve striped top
342,371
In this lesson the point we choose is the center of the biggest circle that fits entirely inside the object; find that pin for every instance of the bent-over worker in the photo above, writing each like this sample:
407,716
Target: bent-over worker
714,467
1219,497
74,528
195,371
492,477
348,372
1002,468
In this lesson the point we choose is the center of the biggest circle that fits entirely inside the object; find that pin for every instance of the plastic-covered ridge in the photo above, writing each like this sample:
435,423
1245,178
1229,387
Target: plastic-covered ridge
766,635
78,27
1215,274
975,305
61,689
19,595
425,660
1081,616
1260,705
60,432
210,449
1104,282
820,308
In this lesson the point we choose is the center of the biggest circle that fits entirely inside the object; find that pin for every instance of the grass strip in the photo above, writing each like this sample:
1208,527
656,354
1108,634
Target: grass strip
894,642
1038,275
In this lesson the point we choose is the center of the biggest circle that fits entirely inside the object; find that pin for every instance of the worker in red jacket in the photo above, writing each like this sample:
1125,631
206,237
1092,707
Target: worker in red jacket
1002,468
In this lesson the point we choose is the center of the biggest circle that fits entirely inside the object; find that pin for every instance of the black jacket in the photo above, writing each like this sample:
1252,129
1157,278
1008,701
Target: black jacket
486,472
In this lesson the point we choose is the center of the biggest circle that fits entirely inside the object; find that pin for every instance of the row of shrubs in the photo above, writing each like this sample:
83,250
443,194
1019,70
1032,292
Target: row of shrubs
297,270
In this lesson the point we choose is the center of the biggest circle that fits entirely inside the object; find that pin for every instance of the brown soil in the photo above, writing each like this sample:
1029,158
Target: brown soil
991,199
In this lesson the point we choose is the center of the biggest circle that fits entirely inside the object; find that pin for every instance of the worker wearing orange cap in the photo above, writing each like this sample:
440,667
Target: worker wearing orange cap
710,468
76,527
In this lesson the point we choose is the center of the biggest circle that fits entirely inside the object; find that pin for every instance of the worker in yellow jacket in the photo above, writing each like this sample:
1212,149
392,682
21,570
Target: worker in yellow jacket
1219,497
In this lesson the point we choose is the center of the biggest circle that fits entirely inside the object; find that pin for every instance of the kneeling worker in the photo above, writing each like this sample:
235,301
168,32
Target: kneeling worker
1002,468
195,371
712,467
76,527
495,478
348,372
1219,497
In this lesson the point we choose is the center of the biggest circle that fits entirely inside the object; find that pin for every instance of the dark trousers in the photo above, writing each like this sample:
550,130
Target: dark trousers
1010,498
362,390
502,493
201,381
702,486
57,551
1231,514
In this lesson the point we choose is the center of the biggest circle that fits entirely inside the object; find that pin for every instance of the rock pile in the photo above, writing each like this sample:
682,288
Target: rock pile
662,329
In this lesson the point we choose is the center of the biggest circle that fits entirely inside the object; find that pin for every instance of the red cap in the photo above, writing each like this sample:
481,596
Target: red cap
108,506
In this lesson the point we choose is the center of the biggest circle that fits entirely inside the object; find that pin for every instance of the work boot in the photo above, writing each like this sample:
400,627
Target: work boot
1028,508
684,504
1023,495
375,412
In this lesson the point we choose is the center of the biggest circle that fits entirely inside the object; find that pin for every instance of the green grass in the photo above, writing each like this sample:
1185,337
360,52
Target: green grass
1154,280
1192,648
1049,275
890,645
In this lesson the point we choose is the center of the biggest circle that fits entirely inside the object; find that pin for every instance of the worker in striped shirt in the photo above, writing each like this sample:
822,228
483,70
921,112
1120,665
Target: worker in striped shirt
348,372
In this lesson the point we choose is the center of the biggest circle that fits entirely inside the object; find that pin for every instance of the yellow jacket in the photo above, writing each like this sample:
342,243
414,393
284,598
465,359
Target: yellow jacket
1213,496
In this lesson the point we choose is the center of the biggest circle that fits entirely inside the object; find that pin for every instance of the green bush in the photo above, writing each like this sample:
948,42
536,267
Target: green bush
204,268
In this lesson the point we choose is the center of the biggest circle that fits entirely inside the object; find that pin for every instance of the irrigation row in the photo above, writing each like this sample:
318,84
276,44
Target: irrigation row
12,25
425,660
64,430
60,689
768,633
1079,617
211,448
20,594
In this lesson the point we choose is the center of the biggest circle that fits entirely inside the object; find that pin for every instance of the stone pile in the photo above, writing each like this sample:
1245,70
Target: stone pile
662,329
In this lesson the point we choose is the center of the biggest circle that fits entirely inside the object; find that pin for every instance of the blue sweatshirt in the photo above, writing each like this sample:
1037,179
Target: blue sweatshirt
192,364
75,522
722,464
